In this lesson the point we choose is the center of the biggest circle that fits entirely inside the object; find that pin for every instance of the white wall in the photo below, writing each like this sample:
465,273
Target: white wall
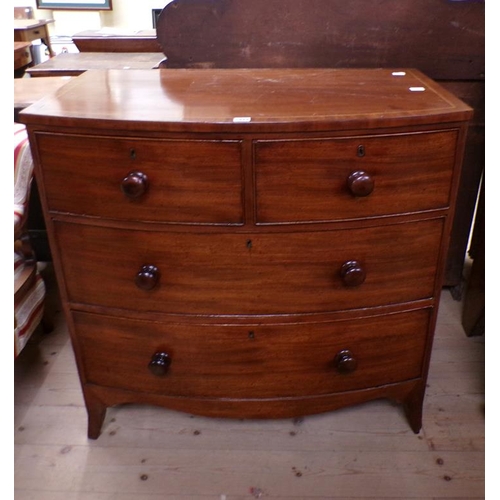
131,14
126,15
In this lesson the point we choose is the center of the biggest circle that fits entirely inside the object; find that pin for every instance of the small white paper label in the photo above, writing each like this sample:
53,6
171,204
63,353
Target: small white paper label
417,89
242,119
399,73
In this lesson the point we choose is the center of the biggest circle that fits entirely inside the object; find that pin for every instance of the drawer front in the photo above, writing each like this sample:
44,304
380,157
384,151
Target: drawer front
251,362
22,58
260,273
333,179
141,179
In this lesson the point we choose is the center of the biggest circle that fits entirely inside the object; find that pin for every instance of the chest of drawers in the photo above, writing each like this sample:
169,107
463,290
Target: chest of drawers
249,243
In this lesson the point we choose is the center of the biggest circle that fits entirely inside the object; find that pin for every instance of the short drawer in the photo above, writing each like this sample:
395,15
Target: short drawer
272,361
22,58
141,179
245,273
351,178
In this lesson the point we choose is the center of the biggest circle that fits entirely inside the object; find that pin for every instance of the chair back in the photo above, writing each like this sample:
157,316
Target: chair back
24,13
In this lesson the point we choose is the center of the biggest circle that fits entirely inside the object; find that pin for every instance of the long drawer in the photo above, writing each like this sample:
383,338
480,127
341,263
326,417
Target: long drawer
249,273
351,178
143,179
270,361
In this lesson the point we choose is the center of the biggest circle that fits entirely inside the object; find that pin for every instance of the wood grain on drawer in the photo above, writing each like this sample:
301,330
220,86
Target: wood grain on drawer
245,273
307,180
252,362
187,181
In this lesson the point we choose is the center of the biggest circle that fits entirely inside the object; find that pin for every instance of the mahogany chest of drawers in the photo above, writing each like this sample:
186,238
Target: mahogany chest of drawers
249,243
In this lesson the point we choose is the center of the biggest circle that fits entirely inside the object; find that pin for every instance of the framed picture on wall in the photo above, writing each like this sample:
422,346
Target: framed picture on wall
74,4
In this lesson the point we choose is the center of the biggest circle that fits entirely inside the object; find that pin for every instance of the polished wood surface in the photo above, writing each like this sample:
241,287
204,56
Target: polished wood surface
29,90
193,173
355,34
248,100
27,30
221,273
74,64
116,41
278,361
341,183
170,270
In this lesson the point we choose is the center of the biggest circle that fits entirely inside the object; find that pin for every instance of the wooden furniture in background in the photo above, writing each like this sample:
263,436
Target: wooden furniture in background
24,13
250,243
22,58
28,30
474,307
70,64
114,41
444,39
29,90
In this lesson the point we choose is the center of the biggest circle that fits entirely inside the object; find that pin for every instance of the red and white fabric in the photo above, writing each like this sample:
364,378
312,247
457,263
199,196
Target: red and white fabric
28,311
23,173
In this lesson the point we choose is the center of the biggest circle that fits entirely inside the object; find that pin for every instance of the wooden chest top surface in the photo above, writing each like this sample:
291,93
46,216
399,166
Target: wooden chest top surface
257,100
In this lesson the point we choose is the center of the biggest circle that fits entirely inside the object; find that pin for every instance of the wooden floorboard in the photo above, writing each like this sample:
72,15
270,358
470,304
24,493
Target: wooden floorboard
144,452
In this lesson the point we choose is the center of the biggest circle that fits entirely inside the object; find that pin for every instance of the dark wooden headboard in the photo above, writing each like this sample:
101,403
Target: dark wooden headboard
442,38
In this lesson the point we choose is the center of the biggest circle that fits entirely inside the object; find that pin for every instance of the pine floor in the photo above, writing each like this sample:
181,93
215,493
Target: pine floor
362,452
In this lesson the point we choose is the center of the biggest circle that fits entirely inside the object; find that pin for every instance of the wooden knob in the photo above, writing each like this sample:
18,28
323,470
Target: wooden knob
135,185
160,363
147,278
345,362
352,273
360,183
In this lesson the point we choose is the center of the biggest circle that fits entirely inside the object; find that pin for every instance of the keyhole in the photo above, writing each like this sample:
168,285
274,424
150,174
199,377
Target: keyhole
361,151
132,154
249,244
251,335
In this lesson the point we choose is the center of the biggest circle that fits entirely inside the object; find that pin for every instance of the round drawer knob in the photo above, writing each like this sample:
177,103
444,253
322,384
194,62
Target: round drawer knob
135,185
360,183
147,278
345,362
160,363
352,273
